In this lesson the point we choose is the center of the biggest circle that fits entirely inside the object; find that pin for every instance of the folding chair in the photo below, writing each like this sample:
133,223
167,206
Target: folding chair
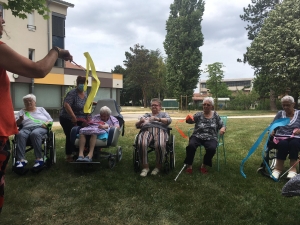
220,142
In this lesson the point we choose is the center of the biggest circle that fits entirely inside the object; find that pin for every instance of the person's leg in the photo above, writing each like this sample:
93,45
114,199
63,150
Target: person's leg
144,139
21,139
82,141
294,147
67,126
282,153
160,140
4,158
93,140
210,148
194,143
36,137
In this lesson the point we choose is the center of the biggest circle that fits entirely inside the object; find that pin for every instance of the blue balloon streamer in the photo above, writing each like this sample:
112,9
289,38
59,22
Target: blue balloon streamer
276,123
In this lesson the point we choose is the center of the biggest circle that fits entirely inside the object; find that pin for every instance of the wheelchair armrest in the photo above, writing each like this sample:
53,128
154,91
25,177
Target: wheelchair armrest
113,136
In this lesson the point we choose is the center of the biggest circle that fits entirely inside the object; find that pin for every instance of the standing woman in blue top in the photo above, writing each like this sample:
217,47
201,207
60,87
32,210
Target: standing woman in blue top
72,113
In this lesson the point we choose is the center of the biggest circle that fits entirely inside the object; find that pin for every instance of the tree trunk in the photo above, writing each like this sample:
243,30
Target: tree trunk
145,97
272,101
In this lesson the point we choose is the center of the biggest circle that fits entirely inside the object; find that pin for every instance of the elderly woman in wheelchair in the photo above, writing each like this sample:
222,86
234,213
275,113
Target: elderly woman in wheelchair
34,123
98,125
154,126
286,139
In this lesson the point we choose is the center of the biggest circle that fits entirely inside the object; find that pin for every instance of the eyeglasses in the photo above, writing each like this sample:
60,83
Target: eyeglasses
286,105
206,104
154,105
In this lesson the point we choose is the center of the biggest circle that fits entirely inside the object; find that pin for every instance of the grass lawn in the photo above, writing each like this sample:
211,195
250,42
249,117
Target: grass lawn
93,194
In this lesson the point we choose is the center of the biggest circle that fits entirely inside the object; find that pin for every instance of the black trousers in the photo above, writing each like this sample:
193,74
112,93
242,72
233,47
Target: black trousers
67,126
209,145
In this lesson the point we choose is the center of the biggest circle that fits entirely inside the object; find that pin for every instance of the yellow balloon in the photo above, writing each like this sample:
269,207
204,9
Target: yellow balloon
95,83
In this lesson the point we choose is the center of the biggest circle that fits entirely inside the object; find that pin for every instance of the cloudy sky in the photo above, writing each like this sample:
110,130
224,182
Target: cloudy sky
108,28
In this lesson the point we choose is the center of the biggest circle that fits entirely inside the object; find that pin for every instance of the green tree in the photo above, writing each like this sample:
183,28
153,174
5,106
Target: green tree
243,101
275,52
214,82
20,8
130,92
141,70
182,42
255,16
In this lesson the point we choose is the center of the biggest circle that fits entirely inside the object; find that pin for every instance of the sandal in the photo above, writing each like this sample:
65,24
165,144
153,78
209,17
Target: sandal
155,171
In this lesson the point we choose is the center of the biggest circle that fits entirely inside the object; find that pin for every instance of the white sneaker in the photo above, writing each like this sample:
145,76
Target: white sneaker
155,171
291,174
276,174
144,172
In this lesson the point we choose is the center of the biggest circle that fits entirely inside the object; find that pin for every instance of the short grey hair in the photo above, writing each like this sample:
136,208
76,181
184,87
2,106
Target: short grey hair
209,99
32,96
156,100
105,110
288,98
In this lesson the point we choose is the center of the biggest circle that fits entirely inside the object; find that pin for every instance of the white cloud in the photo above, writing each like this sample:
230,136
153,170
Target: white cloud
107,29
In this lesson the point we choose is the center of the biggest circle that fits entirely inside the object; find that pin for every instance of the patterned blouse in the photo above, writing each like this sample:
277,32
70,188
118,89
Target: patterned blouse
207,129
93,127
287,130
160,125
76,103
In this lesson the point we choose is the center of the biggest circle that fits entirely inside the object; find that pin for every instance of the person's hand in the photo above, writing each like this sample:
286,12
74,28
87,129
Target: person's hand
222,131
153,118
20,120
142,119
65,55
273,133
297,132
74,119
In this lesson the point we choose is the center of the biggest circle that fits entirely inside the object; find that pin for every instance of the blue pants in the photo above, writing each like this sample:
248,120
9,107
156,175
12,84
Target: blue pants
36,135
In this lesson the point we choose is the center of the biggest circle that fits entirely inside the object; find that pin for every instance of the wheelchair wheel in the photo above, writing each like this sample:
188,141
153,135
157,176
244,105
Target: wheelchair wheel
111,162
119,154
13,154
172,151
51,147
136,162
167,167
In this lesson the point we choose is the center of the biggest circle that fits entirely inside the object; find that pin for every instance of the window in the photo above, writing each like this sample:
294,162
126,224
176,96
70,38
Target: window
1,10
31,54
58,34
31,23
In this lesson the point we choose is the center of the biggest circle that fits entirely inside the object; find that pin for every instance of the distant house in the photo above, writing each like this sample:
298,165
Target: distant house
33,38
234,85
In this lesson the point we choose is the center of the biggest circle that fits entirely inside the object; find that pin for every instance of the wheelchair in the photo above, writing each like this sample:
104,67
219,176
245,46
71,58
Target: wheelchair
110,141
269,160
48,147
169,159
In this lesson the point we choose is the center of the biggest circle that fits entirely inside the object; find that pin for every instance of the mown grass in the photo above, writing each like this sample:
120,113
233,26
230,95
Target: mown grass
93,194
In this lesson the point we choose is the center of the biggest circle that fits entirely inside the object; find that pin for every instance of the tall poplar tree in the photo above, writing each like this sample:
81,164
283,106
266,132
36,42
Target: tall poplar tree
182,42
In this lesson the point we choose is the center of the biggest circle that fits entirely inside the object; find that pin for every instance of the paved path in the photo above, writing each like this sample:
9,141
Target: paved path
134,117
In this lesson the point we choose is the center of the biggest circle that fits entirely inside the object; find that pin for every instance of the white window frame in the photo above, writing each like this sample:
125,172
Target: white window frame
31,22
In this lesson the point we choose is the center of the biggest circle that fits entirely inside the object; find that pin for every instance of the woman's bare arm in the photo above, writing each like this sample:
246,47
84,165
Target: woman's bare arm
16,63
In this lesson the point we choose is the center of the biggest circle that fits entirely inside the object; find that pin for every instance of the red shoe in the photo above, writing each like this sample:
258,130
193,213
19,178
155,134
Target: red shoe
189,171
203,170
